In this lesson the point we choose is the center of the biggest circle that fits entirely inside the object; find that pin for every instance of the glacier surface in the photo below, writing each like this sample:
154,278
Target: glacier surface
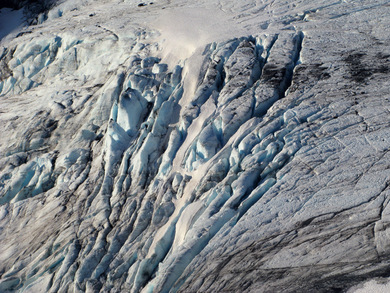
216,146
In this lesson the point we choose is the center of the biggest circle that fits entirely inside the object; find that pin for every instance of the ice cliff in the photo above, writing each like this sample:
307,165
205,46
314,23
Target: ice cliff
216,146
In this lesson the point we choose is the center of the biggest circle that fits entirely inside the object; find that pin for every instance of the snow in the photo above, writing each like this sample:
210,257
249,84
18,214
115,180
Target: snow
10,21
371,286
186,28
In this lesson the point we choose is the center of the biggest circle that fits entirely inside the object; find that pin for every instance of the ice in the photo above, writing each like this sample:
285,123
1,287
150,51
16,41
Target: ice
29,180
195,147
130,110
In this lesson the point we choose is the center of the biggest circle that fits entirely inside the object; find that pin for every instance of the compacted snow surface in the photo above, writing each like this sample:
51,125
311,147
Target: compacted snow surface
196,146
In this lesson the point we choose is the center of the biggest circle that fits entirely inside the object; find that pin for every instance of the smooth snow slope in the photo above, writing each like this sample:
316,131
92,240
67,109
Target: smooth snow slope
214,146
10,20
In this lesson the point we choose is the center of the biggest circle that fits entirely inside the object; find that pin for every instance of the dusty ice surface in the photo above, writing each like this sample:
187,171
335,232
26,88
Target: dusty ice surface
215,146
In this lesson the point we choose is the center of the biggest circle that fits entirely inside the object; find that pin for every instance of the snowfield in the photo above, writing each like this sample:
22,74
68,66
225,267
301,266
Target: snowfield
10,20
210,146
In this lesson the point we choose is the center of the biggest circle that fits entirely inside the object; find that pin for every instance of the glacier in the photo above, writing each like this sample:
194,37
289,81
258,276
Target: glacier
215,146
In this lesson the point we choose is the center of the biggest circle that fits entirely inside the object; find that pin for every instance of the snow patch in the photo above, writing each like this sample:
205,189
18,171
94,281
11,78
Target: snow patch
10,21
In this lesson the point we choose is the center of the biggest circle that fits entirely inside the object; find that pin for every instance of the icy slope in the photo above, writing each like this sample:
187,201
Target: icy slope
216,146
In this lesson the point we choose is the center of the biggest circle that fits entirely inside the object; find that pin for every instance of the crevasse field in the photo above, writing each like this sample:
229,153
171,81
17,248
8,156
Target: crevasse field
195,146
